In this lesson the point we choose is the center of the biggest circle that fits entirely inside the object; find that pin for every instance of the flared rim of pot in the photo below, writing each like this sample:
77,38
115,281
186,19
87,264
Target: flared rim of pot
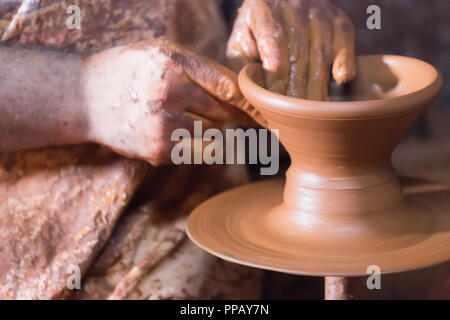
413,84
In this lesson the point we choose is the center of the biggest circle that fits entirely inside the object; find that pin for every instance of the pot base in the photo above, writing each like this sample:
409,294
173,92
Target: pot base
250,225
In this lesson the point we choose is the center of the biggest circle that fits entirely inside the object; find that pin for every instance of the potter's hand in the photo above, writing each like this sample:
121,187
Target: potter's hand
297,41
138,94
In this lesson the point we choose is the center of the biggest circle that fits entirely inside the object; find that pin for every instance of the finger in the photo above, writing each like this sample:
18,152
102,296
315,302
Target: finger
254,114
319,55
344,65
203,106
215,105
296,22
265,23
241,47
217,80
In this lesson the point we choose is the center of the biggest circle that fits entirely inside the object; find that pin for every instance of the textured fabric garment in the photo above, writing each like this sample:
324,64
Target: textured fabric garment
69,207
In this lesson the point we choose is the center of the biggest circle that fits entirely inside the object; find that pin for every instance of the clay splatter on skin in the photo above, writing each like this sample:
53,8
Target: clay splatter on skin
133,95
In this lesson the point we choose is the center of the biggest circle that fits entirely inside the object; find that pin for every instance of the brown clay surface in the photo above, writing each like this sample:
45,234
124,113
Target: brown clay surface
342,207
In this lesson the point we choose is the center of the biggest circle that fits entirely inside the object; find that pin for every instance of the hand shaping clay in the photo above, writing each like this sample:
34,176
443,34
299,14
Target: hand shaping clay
341,208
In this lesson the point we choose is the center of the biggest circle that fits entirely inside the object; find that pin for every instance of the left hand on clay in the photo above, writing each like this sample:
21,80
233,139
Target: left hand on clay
137,95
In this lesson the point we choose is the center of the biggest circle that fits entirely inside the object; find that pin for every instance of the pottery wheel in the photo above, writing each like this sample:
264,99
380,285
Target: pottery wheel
235,226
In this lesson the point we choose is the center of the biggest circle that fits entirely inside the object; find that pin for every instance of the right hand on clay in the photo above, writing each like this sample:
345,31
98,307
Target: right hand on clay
298,41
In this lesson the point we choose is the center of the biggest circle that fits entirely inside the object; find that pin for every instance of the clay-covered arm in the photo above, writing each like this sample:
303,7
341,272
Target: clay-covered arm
130,98
40,102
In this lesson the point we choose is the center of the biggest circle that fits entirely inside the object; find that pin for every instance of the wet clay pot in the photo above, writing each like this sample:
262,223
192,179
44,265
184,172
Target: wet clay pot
342,207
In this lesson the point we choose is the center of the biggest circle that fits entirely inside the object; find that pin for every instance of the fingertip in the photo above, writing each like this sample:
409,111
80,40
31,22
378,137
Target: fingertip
344,68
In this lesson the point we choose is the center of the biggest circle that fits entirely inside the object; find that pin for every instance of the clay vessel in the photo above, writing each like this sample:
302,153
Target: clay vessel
342,207
341,151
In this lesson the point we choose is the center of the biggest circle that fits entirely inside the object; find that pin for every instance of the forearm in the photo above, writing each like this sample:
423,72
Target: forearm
40,100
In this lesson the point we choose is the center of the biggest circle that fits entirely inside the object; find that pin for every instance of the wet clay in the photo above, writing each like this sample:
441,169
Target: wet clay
342,207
